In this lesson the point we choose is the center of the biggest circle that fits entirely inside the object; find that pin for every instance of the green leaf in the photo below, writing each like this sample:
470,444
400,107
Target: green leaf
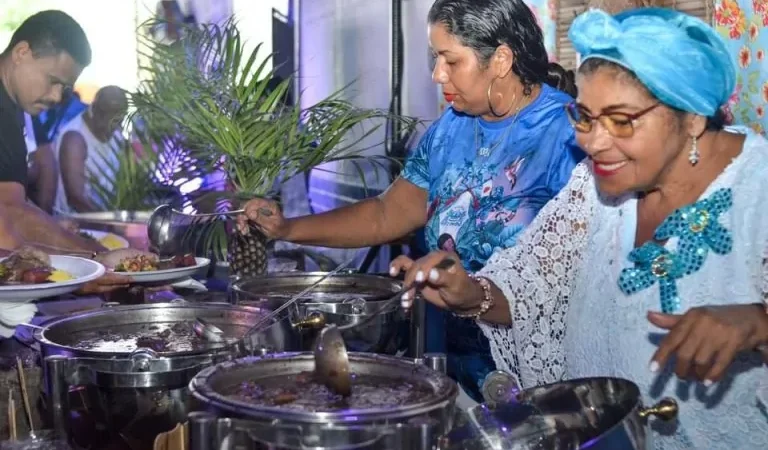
209,96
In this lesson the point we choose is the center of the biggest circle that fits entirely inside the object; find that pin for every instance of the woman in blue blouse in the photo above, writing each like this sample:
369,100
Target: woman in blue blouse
483,170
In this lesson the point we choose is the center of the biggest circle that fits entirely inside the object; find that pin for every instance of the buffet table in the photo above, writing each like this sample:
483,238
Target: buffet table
110,397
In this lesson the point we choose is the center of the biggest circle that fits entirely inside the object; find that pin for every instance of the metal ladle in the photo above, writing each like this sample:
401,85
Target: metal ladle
331,359
165,221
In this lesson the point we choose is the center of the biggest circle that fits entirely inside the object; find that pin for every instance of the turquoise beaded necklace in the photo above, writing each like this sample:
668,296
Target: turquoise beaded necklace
698,231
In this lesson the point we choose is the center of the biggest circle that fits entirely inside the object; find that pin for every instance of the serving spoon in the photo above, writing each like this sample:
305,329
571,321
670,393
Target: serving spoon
164,221
331,358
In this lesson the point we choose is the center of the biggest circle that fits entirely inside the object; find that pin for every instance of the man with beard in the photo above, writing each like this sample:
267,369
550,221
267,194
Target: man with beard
43,60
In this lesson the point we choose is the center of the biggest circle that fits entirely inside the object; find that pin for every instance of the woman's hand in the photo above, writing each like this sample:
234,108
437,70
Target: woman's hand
705,340
266,215
107,283
450,288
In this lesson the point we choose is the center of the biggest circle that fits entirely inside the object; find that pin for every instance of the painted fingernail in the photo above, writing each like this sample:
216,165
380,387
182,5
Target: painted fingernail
392,271
708,383
405,304
419,276
654,367
405,297
434,275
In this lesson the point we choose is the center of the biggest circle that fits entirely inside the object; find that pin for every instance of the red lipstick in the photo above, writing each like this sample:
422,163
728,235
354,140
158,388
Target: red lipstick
605,169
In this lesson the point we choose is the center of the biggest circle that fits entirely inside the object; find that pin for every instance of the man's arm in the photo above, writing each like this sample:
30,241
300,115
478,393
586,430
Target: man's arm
34,225
72,157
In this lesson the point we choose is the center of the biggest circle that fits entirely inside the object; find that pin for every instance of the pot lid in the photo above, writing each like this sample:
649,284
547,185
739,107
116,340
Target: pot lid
557,416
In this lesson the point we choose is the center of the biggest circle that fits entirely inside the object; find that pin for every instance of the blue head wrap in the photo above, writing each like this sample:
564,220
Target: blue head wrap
680,59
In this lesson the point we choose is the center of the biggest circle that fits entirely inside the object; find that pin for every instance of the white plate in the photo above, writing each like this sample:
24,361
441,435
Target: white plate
167,275
84,271
99,235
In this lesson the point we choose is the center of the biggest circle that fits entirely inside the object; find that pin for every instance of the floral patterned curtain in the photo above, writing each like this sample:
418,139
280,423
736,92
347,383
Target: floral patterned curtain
546,14
744,25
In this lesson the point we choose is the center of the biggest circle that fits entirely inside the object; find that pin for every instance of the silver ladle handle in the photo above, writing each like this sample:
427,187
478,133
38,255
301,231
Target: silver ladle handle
317,319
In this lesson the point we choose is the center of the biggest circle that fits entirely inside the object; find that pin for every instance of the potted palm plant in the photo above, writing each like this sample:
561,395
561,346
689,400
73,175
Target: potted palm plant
210,98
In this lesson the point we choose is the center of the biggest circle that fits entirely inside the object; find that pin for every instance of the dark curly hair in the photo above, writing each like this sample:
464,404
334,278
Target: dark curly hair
483,25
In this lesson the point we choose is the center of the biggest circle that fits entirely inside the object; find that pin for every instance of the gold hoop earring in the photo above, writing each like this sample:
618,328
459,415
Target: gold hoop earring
490,103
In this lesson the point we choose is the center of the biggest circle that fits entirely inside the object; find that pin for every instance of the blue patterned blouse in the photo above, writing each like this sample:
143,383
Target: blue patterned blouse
486,182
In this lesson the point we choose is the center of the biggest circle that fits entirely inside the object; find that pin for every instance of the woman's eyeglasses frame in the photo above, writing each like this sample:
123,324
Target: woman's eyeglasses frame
620,125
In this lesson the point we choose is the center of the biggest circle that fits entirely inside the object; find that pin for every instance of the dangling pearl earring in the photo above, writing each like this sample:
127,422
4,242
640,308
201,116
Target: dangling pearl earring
693,155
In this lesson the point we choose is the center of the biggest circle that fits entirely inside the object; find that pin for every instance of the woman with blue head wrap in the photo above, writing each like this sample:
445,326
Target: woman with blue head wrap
652,263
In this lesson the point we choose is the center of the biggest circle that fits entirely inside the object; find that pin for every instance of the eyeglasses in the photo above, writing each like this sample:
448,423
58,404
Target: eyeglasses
619,125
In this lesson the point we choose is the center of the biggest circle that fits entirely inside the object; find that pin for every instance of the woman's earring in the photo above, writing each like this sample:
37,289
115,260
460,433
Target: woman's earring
693,155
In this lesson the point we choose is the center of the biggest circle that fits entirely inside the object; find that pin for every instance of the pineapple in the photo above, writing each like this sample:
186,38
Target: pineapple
247,255
208,95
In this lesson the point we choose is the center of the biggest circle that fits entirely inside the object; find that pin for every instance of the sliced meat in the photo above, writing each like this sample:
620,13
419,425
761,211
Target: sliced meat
23,260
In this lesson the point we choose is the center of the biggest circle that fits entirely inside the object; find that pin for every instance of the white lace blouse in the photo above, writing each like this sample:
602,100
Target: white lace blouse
571,320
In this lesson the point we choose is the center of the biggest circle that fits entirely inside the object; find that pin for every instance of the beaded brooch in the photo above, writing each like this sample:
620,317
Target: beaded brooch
698,231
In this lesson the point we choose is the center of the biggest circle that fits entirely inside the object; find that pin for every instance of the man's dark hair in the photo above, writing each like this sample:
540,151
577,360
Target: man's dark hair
50,33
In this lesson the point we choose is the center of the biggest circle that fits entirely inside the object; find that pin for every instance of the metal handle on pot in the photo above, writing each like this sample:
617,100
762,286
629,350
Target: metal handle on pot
315,320
436,361
666,409
141,357
499,387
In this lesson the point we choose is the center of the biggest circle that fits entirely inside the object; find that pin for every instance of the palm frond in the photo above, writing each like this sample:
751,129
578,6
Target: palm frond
212,96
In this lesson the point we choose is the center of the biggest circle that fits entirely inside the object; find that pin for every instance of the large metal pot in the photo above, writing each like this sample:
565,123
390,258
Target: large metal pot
339,299
598,413
230,423
134,394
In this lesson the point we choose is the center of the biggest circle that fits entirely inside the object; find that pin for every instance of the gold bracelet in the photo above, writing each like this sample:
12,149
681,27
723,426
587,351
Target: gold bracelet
487,302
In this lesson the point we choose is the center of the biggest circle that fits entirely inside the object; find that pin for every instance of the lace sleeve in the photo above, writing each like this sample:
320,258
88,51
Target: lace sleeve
764,283
537,277
762,389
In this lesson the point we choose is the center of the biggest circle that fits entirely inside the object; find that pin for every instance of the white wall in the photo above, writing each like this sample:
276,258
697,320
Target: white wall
113,42
345,41
254,18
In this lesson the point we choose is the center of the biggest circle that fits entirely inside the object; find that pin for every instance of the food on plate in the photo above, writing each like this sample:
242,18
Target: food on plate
59,276
132,260
112,242
29,265
140,263
109,241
